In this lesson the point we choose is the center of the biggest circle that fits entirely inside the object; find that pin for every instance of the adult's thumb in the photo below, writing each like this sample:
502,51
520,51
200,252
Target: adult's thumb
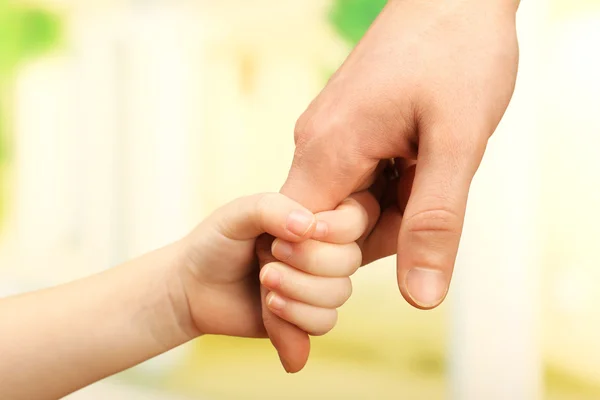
433,221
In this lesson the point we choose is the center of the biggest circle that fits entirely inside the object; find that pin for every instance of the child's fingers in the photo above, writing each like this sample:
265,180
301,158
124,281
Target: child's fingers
313,320
291,342
349,221
319,258
272,213
305,288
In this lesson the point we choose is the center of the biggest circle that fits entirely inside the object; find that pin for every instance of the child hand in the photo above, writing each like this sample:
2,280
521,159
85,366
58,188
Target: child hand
220,276
207,282
308,308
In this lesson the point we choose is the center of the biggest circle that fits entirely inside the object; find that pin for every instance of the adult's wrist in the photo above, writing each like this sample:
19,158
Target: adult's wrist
506,6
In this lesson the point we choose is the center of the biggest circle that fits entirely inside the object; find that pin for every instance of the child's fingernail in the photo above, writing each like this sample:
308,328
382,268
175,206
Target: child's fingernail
275,302
282,250
427,287
300,222
321,230
270,277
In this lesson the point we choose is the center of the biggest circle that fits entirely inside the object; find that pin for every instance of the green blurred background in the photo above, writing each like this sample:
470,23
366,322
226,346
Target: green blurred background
26,31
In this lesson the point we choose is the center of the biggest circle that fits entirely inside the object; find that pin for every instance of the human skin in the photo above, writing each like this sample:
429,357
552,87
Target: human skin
58,340
427,85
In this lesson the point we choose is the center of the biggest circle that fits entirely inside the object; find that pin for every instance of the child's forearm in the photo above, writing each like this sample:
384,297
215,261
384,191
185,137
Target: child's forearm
59,340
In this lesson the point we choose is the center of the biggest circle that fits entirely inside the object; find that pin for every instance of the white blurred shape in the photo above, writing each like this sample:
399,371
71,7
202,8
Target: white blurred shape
572,193
494,348
43,157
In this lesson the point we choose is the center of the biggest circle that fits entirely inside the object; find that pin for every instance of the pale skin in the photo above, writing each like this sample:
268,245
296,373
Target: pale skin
427,86
56,341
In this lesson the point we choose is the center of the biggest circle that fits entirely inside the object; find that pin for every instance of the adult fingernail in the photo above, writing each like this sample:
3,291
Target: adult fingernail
321,230
275,302
270,277
300,222
426,287
282,250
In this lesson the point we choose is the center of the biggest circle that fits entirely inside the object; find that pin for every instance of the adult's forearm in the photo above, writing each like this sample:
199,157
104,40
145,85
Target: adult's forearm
509,5
59,340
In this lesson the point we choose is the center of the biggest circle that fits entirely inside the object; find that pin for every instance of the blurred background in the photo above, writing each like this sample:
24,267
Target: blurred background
123,123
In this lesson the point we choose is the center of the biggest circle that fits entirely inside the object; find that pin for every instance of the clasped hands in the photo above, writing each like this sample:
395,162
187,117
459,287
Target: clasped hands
427,86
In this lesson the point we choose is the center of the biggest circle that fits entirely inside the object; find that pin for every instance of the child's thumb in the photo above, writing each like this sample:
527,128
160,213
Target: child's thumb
271,213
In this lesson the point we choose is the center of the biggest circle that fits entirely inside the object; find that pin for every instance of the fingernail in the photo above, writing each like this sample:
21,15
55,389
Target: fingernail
321,230
270,277
300,222
282,250
275,302
426,287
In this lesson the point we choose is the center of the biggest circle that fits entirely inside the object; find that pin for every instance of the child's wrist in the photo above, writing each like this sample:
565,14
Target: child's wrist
174,301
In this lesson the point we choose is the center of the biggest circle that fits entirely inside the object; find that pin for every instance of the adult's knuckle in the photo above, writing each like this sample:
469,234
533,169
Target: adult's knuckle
434,220
331,141
300,131
317,125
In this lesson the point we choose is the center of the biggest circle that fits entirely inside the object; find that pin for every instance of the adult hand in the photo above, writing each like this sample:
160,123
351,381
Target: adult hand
429,82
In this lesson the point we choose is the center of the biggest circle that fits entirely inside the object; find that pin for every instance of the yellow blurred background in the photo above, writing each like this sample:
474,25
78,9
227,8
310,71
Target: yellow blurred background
123,123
